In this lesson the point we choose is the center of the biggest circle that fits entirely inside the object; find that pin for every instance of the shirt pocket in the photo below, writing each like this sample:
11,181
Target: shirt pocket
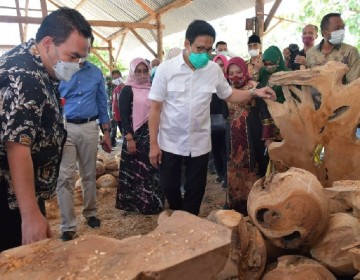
205,94
176,93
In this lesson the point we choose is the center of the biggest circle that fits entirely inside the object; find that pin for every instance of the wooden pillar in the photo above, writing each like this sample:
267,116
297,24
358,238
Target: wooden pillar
21,31
159,37
43,8
120,47
259,15
26,15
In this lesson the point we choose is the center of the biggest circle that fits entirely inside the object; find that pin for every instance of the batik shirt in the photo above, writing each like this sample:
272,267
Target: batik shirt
30,115
344,53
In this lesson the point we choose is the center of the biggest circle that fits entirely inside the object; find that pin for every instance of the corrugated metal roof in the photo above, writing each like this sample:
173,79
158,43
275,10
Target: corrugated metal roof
175,20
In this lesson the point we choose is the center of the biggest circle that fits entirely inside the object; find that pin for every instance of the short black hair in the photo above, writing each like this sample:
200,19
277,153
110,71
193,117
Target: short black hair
220,43
325,20
61,23
199,28
115,71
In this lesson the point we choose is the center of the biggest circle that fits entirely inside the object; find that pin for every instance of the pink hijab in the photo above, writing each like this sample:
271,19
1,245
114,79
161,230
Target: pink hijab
224,60
141,103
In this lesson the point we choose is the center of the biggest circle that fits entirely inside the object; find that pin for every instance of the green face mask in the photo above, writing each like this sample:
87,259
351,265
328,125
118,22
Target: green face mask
199,60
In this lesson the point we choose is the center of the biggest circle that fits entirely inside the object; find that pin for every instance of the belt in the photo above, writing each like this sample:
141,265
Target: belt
80,121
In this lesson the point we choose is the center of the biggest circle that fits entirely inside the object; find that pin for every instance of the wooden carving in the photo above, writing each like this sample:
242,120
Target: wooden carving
332,125
289,208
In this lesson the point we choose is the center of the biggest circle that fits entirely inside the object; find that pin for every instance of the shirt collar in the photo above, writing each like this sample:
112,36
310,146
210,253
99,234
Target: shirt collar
319,46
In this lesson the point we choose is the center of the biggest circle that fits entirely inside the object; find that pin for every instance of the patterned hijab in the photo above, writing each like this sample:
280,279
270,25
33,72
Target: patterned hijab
140,89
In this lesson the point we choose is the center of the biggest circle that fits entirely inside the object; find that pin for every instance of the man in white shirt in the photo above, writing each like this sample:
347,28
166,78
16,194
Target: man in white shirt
179,120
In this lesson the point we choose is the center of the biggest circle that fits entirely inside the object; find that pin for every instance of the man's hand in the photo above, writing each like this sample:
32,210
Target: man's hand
286,54
265,93
155,155
34,227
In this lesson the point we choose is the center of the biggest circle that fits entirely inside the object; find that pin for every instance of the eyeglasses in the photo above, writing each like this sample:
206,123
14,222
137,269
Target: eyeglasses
141,72
203,49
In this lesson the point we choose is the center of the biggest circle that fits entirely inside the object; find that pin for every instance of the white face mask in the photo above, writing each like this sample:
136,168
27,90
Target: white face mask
117,81
64,70
254,52
337,37
224,53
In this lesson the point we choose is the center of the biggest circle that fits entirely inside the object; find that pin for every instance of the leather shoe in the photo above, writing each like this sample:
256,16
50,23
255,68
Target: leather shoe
93,222
67,235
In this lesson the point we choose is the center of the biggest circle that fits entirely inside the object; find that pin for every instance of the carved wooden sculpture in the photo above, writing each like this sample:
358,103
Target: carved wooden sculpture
289,208
332,125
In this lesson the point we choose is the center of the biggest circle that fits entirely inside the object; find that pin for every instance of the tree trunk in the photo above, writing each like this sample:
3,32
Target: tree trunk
332,249
289,208
355,257
298,268
344,196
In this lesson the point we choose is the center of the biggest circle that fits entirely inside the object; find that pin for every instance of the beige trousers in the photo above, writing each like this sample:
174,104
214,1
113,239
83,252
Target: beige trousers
80,148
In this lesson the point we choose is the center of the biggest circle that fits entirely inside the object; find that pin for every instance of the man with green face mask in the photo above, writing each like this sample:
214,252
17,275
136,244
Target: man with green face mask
332,48
179,120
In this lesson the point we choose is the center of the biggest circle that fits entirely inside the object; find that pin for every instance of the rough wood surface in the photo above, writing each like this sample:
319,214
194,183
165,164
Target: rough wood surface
355,257
344,196
332,248
183,246
289,208
298,268
333,125
106,181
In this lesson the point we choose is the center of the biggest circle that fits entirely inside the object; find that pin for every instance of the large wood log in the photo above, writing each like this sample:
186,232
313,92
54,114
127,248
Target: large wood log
355,257
332,247
298,268
332,125
183,246
344,196
289,208
247,255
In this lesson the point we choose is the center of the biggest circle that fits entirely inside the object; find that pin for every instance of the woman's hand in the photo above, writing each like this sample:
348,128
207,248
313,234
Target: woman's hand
131,146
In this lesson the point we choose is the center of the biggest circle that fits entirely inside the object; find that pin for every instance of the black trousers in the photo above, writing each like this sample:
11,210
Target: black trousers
10,233
195,181
219,151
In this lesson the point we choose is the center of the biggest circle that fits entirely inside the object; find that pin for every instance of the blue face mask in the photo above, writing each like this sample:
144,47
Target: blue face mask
199,60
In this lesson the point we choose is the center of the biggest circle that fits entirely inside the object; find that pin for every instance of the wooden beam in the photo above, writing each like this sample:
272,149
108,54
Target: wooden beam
78,6
150,11
162,10
272,27
15,19
99,35
259,12
120,47
43,8
159,39
271,14
101,48
26,14
111,59
21,31
21,9
7,47
143,41
122,24
99,57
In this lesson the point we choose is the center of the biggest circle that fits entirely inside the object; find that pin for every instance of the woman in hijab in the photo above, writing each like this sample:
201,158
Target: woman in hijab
138,188
247,160
273,62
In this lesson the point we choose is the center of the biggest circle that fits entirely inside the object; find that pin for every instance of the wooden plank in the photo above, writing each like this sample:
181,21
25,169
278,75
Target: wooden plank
150,11
111,59
271,14
122,24
137,35
99,57
78,6
26,14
